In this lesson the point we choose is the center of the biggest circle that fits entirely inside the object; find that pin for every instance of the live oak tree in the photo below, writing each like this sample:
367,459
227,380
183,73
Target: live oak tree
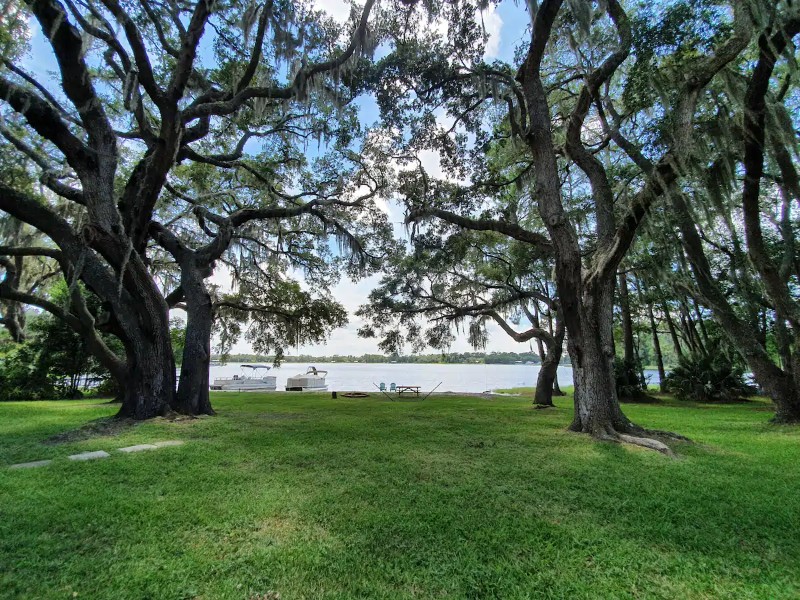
732,208
215,219
454,281
571,74
145,87
758,177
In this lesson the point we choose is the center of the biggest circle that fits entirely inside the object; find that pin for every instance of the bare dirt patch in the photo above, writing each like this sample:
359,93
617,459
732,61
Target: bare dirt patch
105,426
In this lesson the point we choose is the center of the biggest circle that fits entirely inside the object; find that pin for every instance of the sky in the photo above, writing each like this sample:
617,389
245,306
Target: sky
506,25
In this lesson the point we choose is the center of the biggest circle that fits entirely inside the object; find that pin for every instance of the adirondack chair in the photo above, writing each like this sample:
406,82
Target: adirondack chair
382,387
392,387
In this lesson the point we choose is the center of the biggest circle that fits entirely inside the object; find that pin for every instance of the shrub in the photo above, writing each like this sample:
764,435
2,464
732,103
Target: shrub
629,379
712,377
22,376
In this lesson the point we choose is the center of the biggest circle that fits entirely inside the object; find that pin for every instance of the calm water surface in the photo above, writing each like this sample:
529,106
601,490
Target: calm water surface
453,378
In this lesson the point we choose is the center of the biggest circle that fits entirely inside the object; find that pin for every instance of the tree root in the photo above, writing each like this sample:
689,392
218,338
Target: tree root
645,442
638,436
635,440
541,406
658,433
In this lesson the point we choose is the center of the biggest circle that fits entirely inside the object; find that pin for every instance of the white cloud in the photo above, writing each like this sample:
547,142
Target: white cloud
493,25
431,162
337,9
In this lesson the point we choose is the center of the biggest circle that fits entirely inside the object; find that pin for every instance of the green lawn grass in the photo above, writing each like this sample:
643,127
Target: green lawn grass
309,497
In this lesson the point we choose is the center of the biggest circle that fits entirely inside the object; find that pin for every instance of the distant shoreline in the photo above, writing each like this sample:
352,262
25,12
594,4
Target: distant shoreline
454,358
234,361
361,362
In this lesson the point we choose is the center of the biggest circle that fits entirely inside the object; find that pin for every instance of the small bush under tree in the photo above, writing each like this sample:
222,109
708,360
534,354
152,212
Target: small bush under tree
711,377
631,384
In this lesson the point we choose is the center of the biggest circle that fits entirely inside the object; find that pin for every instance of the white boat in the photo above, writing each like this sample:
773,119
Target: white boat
252,379
312,381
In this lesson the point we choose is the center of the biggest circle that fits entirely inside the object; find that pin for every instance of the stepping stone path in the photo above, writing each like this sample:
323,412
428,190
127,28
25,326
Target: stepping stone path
139,448
31,465
89,455
84,456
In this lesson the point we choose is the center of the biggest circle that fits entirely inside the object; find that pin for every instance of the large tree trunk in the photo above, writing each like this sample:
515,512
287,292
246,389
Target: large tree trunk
547,380
192,397
779,385
142,317
149,386
787,411
597,409
586,305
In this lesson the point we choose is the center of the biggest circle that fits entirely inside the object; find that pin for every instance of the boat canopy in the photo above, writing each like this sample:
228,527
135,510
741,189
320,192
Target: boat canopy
256,367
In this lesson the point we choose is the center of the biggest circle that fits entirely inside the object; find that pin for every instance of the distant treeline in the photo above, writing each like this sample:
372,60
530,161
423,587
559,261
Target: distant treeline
492,358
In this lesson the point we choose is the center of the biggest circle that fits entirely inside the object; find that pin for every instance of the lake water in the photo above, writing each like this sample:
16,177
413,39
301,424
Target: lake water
453,378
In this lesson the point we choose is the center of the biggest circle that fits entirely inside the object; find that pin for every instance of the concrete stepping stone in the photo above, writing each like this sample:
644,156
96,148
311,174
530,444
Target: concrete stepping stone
139,448
89,455
168,443
31,465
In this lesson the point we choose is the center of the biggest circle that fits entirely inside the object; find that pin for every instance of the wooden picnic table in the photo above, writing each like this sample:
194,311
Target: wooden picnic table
408,389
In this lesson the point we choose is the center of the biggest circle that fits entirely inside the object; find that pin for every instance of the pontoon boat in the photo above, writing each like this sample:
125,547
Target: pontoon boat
312,381
252,379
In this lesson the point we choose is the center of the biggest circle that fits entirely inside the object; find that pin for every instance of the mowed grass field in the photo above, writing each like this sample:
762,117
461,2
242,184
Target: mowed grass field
301,496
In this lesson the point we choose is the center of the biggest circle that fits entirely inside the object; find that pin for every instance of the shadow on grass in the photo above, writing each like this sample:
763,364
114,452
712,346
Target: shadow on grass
102,427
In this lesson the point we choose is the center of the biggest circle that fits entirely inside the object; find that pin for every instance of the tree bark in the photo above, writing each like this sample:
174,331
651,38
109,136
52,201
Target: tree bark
547,379
556,387
193,397
784,344
585,308
597,410
557,391
149,386
143,318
